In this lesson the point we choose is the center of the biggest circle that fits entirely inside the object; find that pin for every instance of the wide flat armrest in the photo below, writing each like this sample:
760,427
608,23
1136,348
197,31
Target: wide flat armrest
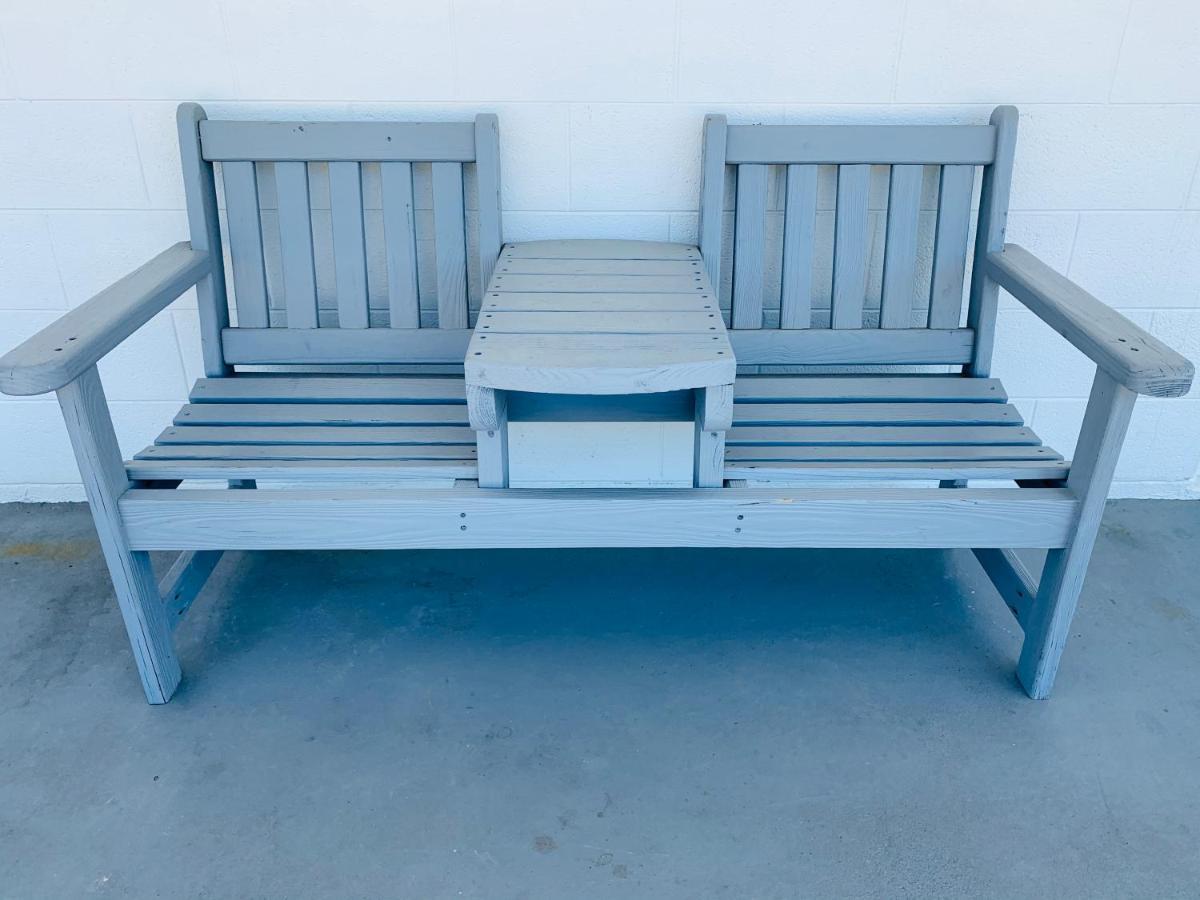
1139,361
63,350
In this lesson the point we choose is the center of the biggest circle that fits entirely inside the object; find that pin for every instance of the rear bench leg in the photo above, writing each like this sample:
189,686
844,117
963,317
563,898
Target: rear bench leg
1104,424
104,479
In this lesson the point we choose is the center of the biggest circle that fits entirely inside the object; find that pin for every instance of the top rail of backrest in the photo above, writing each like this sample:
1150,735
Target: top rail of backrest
237,141
973,145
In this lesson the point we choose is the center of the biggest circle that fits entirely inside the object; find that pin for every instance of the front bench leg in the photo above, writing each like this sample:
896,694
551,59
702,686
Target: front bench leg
487,411
714,416
1104,424
104,479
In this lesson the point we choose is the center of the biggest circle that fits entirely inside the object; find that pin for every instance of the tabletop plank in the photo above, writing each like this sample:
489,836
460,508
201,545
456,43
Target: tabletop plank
599,318
599,249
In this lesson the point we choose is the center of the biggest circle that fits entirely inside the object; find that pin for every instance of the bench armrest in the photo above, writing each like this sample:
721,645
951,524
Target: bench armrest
66,348
1132,357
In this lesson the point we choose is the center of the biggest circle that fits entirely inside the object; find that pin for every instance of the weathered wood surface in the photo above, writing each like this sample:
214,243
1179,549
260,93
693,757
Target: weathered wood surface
185,579
589,351
328,141
1134,358
146,622
479,517
861,144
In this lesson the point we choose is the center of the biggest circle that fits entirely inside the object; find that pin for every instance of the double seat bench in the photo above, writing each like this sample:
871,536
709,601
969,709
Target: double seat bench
394,375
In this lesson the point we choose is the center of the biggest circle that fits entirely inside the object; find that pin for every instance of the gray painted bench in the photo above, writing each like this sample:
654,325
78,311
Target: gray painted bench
328,233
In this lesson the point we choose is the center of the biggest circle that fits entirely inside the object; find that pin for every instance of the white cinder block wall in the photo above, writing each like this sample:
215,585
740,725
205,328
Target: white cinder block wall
600,106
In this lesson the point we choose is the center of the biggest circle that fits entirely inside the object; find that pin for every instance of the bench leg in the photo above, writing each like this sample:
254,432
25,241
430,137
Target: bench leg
1104,425
104,479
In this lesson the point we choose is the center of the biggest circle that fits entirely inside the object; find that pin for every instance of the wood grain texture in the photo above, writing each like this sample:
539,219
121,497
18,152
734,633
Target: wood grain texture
867,388
900,250
1017,587
850,413
861,144
330,388
98,454
240,182
400,232
600,249
487,179
204,228
349,244
989,238
851,246
599,302
1048,623
353,471
316,434
296,244
851,435
799,237
853,453
749,246
379,519
1133,357
950,246
712,195
314,346
184,581
329,141
305,452
824,472
638,284
323,414
851,346
450,247
72,344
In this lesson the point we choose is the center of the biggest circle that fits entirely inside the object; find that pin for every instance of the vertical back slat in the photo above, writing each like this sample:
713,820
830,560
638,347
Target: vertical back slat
349,245
450,244
487,178
296,244
245,243
750,224
950,246
850,246
400,237
712,196
900,253
993,217
799,234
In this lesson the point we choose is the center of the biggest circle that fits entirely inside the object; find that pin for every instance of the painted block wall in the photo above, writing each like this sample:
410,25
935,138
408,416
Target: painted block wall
600,106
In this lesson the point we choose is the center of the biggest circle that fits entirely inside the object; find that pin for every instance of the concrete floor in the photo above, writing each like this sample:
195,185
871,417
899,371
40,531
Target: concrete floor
570,724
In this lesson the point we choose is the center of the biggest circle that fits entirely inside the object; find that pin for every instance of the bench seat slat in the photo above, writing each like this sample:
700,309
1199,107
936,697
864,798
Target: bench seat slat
867,388
876,414
322,414
333,452
611,302
533,266
329,389
815,472
316,434
354,470
889,453
851,435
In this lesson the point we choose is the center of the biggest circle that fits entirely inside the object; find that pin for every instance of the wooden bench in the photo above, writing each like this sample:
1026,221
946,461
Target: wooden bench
383,454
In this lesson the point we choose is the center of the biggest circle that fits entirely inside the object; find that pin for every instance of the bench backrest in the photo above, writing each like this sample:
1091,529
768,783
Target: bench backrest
338,231
831,273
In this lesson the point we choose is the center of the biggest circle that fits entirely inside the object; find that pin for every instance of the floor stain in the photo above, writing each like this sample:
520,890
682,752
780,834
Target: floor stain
56,551
543,843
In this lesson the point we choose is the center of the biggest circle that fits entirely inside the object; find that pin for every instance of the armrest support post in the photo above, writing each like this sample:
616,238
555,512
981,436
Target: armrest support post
1133,358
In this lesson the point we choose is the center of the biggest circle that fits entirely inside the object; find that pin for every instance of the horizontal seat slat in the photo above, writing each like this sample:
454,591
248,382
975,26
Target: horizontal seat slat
599,249
833,453
852,346
851,435
333,452
329,389
642,284
322,414
1053,470
316,434
868,388
875,414
301,470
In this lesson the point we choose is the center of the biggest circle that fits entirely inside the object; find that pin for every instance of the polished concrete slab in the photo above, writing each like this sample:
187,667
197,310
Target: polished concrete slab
576,724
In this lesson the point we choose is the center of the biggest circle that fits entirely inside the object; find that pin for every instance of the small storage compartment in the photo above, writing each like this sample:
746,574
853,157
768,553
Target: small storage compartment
630,441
